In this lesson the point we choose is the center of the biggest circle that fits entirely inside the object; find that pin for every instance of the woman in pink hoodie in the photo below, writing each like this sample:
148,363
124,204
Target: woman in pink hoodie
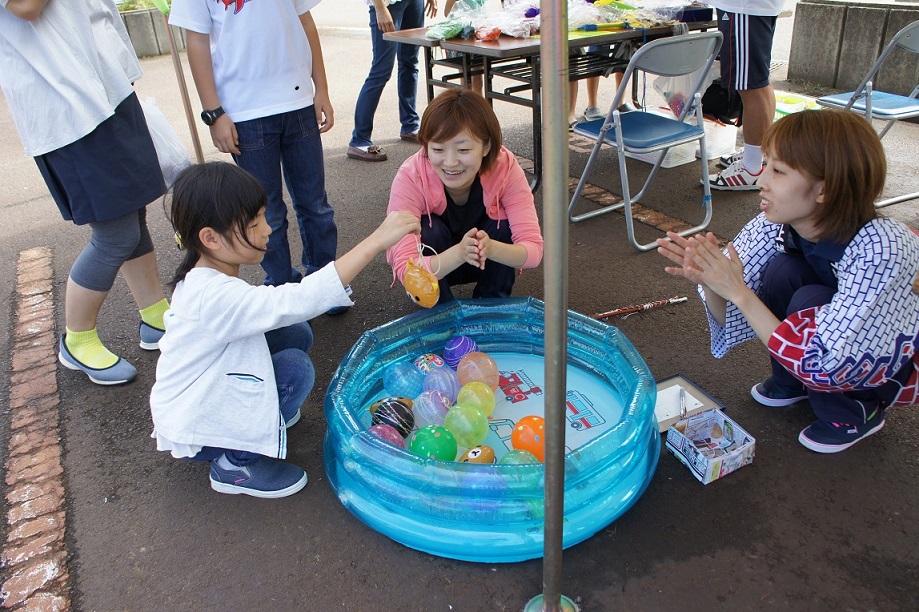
478,209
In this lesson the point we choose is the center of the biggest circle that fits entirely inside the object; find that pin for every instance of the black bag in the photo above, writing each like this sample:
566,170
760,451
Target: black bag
722,104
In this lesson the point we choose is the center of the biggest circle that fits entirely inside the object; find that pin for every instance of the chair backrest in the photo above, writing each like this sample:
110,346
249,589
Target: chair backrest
677,55
674,56
908,38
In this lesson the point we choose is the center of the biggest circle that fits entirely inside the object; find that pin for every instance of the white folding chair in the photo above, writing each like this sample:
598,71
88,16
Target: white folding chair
874,104
639,131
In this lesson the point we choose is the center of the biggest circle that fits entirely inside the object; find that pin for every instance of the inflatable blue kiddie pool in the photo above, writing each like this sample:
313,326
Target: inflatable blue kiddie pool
494,513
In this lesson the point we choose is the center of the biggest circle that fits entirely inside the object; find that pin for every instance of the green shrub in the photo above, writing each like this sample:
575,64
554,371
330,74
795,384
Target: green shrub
133,5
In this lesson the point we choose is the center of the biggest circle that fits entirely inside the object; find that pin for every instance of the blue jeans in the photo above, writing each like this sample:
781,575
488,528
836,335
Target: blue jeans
290,141
495,281
405,14
294,375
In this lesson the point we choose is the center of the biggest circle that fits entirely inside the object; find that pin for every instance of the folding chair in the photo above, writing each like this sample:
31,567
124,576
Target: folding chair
639,131
881,105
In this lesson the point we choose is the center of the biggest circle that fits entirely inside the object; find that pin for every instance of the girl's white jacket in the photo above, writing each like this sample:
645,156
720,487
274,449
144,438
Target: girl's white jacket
215,382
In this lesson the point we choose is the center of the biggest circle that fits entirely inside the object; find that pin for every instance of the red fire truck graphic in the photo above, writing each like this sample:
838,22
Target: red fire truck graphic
581,412
517,386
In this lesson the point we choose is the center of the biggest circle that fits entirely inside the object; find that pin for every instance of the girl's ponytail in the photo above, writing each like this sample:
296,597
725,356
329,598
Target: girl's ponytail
188,262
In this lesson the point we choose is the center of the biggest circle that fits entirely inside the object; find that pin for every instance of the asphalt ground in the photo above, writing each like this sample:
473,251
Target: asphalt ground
792,531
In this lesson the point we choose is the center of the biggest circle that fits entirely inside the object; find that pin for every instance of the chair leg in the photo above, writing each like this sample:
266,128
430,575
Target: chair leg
583,181
706,195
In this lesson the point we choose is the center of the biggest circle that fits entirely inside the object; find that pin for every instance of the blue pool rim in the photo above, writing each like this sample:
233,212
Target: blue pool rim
487,513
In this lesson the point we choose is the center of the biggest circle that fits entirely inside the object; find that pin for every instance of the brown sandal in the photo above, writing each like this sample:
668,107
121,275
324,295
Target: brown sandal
372,154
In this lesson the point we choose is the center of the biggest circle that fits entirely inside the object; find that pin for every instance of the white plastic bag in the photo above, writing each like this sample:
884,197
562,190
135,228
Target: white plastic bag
169,149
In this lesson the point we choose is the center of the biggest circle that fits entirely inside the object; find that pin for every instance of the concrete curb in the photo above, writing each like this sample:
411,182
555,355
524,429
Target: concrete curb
35,554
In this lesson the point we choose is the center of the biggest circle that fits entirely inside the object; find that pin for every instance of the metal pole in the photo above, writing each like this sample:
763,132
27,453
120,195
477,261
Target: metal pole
183,89
554,75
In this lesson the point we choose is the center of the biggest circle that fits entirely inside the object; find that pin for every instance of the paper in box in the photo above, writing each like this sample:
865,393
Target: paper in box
711,445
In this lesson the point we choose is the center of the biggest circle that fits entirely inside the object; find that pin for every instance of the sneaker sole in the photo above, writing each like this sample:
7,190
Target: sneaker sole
774,403
828,449
150,346
293,421
76,368
733,187
229,489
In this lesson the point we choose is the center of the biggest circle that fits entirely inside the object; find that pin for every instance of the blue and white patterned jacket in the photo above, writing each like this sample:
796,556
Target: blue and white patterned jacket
866,333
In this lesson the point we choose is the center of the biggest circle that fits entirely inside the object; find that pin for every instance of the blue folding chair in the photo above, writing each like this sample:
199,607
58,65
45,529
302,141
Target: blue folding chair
639,131
874,104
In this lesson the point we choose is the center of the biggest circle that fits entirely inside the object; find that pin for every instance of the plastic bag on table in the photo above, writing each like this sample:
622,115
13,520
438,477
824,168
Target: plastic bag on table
518,19
451,28
169,148
581,14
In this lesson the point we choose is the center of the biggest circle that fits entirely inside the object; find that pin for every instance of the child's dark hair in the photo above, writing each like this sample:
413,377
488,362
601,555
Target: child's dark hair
218,195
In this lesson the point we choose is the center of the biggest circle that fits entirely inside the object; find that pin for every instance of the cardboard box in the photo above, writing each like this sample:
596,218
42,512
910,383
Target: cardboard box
679,397
711,445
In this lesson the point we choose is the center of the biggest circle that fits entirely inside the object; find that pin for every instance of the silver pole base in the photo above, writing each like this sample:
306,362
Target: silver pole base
538,605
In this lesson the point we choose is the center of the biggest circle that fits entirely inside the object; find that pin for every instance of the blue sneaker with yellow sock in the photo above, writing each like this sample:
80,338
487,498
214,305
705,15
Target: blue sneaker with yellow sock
152,327
118,373
150,336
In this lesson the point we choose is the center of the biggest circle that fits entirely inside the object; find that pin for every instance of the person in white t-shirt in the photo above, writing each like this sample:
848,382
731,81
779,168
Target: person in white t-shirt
260,75
67,71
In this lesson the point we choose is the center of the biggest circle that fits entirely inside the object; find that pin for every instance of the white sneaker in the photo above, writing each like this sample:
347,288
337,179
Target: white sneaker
729,158
735,178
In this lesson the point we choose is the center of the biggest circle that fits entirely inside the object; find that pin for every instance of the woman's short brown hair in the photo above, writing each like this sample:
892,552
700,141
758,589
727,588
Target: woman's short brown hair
456,110
841,149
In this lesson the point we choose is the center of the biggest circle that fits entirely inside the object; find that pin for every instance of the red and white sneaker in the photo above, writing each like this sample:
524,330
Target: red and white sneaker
735,178
729,158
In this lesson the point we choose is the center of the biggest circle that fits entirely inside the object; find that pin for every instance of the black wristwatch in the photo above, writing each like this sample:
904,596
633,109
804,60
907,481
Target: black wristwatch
210,116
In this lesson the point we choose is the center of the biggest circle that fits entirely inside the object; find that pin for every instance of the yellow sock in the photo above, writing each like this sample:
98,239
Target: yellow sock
86,347
153,315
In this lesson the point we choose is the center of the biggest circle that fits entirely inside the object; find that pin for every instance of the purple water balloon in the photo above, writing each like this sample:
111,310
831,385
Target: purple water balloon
443,380
456,347
431,407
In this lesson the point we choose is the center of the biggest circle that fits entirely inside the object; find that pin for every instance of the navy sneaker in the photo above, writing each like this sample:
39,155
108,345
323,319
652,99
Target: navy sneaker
264,477
823,437
337,310
768,393
150,336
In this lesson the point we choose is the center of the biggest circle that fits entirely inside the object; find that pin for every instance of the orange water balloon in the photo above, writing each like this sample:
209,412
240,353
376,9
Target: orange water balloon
530,435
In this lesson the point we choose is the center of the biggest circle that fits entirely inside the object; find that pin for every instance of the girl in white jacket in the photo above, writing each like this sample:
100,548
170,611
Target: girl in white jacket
233,368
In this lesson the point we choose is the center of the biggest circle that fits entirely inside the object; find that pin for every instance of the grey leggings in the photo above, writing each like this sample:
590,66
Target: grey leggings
113,242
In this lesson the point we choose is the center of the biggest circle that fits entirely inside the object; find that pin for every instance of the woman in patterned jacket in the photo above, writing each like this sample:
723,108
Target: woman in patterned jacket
820,278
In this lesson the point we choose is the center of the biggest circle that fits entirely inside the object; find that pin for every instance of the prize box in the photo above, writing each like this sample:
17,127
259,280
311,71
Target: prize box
710,444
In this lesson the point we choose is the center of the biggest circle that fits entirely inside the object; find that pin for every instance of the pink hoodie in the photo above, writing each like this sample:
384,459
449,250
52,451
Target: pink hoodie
506,192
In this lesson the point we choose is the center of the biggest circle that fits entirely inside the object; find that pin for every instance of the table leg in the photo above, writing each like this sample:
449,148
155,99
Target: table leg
429,73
